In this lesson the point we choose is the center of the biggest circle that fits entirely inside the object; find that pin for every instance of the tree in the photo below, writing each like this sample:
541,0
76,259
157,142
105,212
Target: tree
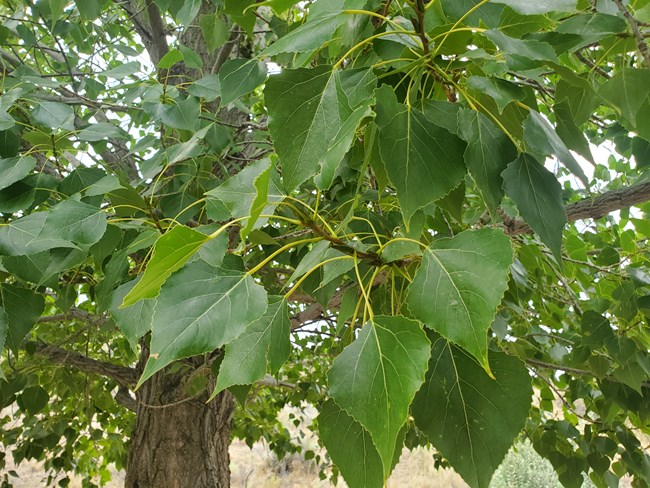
427,218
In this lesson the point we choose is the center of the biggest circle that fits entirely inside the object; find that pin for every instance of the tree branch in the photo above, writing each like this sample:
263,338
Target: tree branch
634,25
124,376
591,208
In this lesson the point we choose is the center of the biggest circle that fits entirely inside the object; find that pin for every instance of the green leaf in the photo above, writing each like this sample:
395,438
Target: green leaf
15,169
215,31
188,12
89,9
422,159
319,102
528,7
350,447
101,131
171,251
23,308
4,330
625,90
54,115
470,418
250,193
172,57
568,131
309,36
6,121
238,77
541,138
181,115
33,399
200,309
487,155
592,27
191,58
122,71
538,196
241,14
459,285
503,92
134,321
528,49
208,88
262,347
376,377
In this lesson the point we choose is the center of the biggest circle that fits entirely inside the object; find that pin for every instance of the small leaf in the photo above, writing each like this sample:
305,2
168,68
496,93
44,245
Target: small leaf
528,48
487,155
263,347
200,309
538,196
101,131
542,138
172,57
15,169
33,399
23,308
470,418
502,91
245,194
423,160
238,77
375,378
171,251
215,31
350,447
459,285
188,12
208,88
134,321
122,71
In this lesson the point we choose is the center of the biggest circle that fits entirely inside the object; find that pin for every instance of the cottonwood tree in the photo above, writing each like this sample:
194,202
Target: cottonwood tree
427,218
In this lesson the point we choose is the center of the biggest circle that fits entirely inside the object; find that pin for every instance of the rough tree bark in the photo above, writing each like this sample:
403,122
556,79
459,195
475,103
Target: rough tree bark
179,443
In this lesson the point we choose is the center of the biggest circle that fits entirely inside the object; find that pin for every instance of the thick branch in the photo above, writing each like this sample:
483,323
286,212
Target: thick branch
124,376
592,208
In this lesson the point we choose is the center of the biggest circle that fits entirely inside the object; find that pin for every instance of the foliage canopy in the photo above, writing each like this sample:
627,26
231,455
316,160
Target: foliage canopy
402,210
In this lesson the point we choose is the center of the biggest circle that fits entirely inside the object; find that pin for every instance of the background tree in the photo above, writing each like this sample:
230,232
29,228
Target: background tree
414,208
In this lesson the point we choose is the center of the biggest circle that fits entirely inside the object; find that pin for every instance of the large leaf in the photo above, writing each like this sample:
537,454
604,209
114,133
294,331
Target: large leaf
307,110
471,418
309,36
423,160
171,251
524,48
200,309
459,285
528,7
350,447
263,347
542,138
375,378
488,153
23,308
54,115
538,196
214,30
238,77
502,91
15,169
135,320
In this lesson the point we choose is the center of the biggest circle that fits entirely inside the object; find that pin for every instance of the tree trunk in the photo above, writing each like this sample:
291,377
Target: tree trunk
179,443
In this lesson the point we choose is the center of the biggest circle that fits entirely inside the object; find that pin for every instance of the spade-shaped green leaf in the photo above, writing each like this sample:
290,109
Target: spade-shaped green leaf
23,308
135,320
171,251
422,159
375,378
459,285
469,417
538,196
15,169
200,309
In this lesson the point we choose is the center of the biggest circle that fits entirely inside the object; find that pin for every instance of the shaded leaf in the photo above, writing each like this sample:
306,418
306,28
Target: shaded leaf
538,196
15,169
238,77
350,447
135,320
54,115
23,308
472,419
